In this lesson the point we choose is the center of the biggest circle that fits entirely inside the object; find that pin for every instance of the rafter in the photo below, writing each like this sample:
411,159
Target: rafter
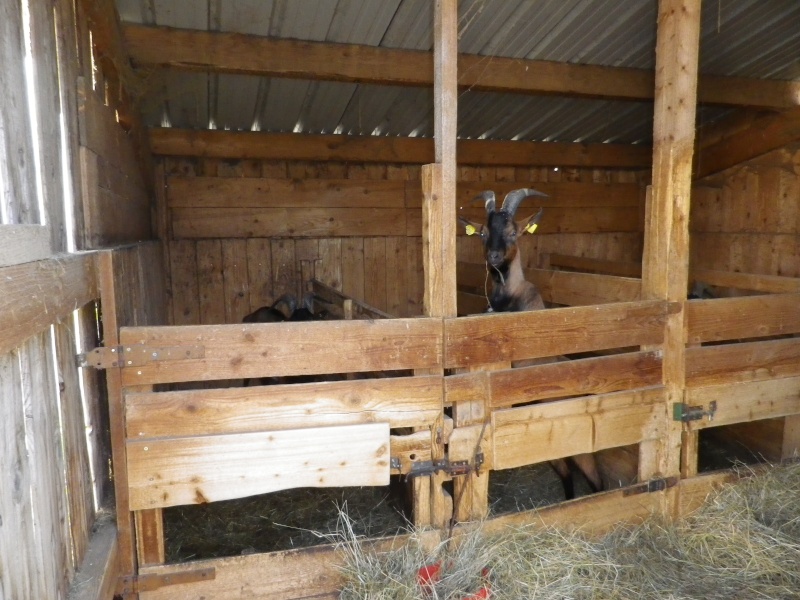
255,55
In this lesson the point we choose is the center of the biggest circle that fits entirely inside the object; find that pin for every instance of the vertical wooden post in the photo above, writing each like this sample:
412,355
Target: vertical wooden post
665,265
431,504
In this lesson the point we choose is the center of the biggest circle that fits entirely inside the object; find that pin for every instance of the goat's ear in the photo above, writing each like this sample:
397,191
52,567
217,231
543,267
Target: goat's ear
470,226
533,222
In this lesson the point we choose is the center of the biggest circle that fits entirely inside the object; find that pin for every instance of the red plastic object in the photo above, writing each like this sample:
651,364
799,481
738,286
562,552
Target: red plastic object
427,577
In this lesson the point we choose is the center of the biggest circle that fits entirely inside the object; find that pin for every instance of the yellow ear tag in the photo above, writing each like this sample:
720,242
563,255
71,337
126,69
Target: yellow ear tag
470,229
532,227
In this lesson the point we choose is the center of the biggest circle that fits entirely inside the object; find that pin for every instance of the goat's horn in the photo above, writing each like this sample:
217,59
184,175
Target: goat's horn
488,200
512,200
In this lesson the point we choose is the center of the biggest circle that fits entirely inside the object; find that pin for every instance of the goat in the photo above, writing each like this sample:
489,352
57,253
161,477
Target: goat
511,292
305,312
272,314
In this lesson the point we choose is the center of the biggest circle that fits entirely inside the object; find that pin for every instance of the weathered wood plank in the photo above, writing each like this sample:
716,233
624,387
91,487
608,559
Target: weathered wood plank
596,265
230,192
36,294
562,428
195,470
279,349
535,334
598,375
96,578
170,141
399,401
276,222
336,300
773,284
723,319
743,362
24,243
581,289
749,401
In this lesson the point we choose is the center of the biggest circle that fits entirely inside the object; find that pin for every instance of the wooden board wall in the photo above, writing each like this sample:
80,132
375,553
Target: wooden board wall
747,219
236,245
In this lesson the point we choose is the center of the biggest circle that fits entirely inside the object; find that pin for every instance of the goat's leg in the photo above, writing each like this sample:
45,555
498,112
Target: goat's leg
588,466
565,474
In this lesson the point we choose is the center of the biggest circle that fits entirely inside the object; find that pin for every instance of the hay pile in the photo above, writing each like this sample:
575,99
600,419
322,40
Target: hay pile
744,543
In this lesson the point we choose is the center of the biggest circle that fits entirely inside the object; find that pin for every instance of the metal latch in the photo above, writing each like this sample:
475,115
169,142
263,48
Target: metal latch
648,487
151,582
453,468
683,412
136,355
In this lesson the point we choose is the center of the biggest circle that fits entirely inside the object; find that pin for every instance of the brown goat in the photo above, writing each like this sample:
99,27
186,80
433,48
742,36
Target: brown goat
511,292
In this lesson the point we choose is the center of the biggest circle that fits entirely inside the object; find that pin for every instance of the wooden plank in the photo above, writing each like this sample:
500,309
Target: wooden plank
24,243
665,260
185,290
96,578
771,284
34,295
210,282
279,349
360,310
237,53
722,319
274,222
749,401
535,334
259,272
230,192
562,428
399,401
749,361
561,194
170,141
594,219
598,375
596,265
374,264
196,470
234,271
581,289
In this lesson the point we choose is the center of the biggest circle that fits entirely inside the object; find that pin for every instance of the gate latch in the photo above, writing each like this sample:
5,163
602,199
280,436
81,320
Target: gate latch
454,468
683,412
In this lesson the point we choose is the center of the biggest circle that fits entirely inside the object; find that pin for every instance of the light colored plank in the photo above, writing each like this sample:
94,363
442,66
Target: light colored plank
23,243
582,289
751,401
723,319
558,429
535,334
196,470
774,284
596,265
748,361
278,349
399,401
96,578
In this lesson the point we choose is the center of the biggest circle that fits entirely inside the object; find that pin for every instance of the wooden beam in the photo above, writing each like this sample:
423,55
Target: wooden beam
269,57
665,265
298,146
96,577
35,295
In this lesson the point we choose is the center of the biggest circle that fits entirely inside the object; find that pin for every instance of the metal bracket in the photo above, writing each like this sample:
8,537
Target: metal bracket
136,355
654,485
453,468
154,581
683,412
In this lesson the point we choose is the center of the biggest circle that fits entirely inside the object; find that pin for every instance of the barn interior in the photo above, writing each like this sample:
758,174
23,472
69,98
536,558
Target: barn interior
168,168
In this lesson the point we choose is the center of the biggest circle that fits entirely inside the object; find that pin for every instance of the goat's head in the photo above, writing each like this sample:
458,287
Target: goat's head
500,232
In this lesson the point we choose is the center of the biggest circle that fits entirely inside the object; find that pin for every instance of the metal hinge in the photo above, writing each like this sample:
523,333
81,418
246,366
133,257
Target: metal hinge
136,355
683,412
654,485
148,583
453,468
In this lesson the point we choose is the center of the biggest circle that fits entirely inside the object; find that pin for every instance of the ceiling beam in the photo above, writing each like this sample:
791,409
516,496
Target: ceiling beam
270,57
345,148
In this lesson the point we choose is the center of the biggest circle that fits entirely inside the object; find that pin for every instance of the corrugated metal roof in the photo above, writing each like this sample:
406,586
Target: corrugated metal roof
748,38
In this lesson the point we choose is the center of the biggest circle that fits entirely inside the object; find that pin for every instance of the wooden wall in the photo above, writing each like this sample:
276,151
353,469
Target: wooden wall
747,218
241,233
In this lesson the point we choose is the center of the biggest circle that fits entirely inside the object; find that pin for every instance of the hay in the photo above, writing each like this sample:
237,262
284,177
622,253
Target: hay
743,543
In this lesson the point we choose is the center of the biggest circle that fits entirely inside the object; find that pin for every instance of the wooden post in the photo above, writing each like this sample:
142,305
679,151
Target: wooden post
665,265
439,229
